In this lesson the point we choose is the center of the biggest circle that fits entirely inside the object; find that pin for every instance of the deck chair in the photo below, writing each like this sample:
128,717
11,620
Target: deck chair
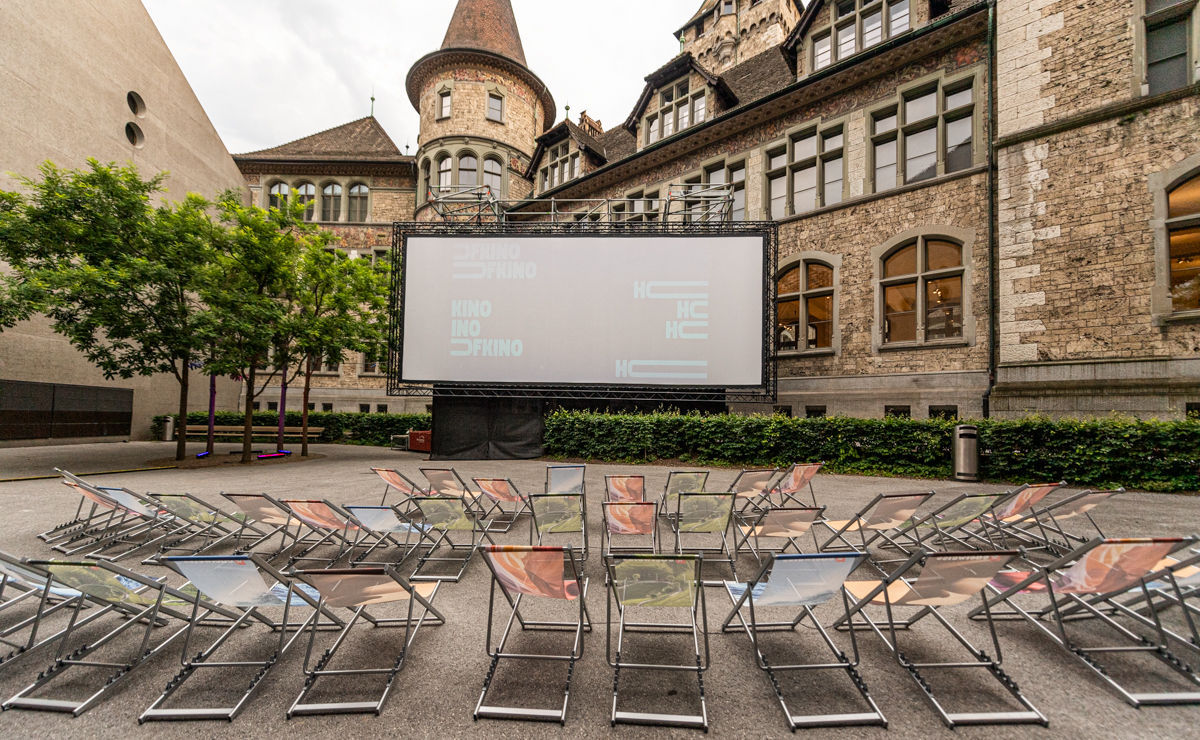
641,587
800,583
386,524
29,597
791,485
236,583
355,590
991,527
752,486
502,492
447,482
555,515
213,527
777,530
703,525
945,579
133,524
146,604
624,488
566,479
522,574
938,528
271,516
1085,582
884,512
443,519
629,520
94,513
334,527
1043,529
396,481
679,481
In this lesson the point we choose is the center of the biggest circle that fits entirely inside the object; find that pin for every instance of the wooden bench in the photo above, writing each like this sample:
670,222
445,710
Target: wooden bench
201,430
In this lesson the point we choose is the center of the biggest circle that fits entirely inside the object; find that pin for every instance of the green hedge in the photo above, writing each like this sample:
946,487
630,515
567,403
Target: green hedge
1148,455
355,428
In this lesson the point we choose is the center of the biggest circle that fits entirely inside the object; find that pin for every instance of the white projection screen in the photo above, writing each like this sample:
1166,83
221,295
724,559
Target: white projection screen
611,310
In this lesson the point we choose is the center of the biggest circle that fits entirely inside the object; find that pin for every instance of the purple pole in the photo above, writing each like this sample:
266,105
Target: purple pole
282,405
212,411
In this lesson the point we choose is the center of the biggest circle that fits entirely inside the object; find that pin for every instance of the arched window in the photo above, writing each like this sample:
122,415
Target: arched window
493,175
922,291
1183,233
358,203
278,195
306,192
468,171
444,173
805,307
331,202
425,183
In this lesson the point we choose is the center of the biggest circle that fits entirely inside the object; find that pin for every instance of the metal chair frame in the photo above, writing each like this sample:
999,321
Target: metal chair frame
864,520
439,536
540,530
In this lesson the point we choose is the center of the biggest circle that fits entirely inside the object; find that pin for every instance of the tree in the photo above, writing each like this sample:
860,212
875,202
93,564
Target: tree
117,276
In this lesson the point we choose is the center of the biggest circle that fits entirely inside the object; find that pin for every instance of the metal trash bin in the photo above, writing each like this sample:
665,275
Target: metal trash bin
168,429
966,452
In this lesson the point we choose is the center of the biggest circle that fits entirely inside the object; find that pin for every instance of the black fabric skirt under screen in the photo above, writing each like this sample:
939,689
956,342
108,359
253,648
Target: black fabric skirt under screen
487,428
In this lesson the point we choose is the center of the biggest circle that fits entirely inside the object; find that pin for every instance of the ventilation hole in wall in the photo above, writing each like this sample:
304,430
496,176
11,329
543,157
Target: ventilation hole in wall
133,132
137,106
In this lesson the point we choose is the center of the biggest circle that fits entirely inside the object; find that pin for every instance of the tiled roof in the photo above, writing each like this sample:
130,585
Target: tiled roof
488,25
759,75
363,139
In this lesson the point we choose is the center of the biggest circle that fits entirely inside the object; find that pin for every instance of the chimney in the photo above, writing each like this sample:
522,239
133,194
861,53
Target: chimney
590,125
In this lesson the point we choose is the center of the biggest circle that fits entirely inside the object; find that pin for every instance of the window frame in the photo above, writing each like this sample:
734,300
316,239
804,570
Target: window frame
309,199
445,104
660,110
363,199
560,164
495,95
1144,22
335,198
801,261
965,239
822,130
1161,184
853,20
279,193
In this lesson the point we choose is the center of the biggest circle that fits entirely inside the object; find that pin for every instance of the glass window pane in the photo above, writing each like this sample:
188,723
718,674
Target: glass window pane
885,122
920,162
467,176
822,52
885,165
921,106
444,173
684,116
819,332
739,205
831,140
958,97
495,107
668,124
958,144
845,8
1185,269
653,130
778,196
899,313
846,44
872,28
790,282
804,189
775,160
716,177
1166,40
787,315
804,147
1184,200
898,17
943,308
818,276
833,181
737,173
902,262
940,255
444,111
699,109
1169,74
493,174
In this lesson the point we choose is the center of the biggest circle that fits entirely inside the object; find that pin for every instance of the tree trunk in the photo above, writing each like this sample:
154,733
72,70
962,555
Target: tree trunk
181,424
283,382
308,371
212,413
248,421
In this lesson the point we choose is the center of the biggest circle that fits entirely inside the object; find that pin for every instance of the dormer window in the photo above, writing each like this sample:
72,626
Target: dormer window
679,108
858,25
561,165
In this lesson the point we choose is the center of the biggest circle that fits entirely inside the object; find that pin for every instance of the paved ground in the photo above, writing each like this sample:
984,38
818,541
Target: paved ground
434,695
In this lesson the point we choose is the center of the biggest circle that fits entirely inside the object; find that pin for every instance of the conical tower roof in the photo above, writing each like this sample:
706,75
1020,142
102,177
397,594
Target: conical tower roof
487,25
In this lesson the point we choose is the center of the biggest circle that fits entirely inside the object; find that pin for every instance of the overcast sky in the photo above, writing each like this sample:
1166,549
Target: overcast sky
270,71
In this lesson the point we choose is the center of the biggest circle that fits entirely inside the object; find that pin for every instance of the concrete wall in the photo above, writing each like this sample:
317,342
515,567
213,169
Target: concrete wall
65,71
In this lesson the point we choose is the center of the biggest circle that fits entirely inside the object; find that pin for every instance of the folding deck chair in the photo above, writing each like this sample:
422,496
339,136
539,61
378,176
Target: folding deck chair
94,513
934,529
399,482
945,579
29,595
884,512
1042,528
801,582
386,523
236,583
624,488
566,479
502,491
213,527
776,530
991,528
1084,583
146,603
134,523
790,486
679,481
536,573
657,583
448,483
274,517
705,517
752,486
556,514
355,590
626,520
442,519
333,527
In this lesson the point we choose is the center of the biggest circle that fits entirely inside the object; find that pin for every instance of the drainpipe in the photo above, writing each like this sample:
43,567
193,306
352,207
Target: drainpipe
993,216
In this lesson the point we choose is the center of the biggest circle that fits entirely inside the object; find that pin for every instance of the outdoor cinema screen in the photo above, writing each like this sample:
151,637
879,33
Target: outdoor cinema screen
638,310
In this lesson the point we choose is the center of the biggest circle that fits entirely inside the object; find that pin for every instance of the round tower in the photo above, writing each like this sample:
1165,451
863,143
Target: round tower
481,108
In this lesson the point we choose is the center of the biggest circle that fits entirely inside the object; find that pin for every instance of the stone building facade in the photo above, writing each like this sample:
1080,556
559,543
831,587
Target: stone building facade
984,208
